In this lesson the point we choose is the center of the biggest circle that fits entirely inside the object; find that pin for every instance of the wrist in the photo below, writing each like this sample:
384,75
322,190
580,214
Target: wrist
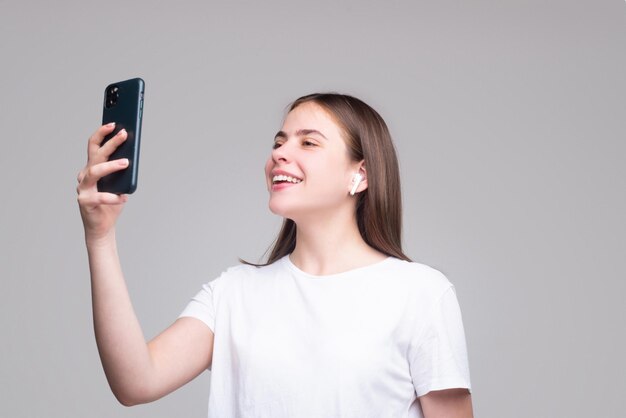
97,241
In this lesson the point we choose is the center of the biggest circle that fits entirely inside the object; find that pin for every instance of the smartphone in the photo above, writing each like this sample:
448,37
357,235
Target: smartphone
123,104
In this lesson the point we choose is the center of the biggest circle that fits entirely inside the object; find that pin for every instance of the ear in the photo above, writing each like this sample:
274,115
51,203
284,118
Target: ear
360,177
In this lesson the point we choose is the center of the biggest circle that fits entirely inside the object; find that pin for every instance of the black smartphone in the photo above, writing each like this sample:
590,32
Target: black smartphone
123,104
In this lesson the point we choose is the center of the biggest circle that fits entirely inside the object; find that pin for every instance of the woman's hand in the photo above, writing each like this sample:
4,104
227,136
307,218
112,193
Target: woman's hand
98,210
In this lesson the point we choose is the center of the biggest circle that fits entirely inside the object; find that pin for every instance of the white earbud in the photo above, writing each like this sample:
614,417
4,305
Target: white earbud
356,180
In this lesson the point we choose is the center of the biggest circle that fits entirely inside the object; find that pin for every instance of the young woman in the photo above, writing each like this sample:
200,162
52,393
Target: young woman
338,323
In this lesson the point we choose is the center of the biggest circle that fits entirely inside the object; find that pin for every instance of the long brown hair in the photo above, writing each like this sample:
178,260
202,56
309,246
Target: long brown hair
379,207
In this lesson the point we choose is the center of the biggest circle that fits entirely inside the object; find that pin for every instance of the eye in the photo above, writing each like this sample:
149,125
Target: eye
277,144
308,143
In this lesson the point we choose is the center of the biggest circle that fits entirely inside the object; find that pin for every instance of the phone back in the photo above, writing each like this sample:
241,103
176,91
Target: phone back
123,104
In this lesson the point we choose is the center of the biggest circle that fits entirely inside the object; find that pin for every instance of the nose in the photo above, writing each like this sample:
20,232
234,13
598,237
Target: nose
281,153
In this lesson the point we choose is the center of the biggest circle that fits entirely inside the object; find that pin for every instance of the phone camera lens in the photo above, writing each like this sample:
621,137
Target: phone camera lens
112,94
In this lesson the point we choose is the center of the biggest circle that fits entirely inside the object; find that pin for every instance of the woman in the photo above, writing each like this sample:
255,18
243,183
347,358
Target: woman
338,323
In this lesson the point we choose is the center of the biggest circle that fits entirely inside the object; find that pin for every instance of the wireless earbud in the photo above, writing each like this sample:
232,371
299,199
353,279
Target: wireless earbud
356,180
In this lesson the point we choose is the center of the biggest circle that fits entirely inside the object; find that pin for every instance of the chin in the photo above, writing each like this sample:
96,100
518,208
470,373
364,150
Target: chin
278,209
285,209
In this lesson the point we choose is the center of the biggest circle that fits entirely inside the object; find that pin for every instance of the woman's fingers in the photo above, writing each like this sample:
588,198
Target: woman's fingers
96,199
98,154
96,150
111,145
113,199
81,175
101,132
91,174
100,210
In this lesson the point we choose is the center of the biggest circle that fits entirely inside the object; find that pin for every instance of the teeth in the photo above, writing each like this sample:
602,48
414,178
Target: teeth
282,177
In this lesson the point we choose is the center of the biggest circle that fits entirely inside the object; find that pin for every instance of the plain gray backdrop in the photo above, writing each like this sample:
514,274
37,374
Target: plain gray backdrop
509,118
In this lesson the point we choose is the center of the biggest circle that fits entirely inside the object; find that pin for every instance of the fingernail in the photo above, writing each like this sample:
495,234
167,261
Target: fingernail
110,125
122,131
124,161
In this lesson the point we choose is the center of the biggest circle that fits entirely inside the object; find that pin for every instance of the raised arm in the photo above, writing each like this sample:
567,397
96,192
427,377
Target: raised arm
137,371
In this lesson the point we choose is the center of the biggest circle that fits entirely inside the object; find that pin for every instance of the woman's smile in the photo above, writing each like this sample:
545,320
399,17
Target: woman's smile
283,179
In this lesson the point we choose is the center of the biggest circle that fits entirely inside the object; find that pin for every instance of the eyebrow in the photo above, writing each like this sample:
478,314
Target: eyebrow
300,132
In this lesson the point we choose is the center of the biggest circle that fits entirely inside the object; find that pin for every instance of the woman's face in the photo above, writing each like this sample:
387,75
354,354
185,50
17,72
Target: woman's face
309,172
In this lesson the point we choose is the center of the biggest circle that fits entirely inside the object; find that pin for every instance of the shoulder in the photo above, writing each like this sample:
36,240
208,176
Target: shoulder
417,276
422,287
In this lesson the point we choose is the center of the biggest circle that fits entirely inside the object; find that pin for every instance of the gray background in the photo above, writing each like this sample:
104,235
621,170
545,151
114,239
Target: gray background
509,118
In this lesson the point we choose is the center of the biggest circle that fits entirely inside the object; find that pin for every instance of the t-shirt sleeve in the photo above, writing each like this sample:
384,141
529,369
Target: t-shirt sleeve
438,355
202,305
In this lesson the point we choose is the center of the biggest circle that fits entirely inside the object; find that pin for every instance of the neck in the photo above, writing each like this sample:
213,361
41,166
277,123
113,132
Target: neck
331,244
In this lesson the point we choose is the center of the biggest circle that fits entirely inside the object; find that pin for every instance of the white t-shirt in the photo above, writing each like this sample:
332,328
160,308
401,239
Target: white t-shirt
363,343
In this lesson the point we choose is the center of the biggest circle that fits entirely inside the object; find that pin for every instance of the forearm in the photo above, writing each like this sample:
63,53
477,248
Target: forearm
121,343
